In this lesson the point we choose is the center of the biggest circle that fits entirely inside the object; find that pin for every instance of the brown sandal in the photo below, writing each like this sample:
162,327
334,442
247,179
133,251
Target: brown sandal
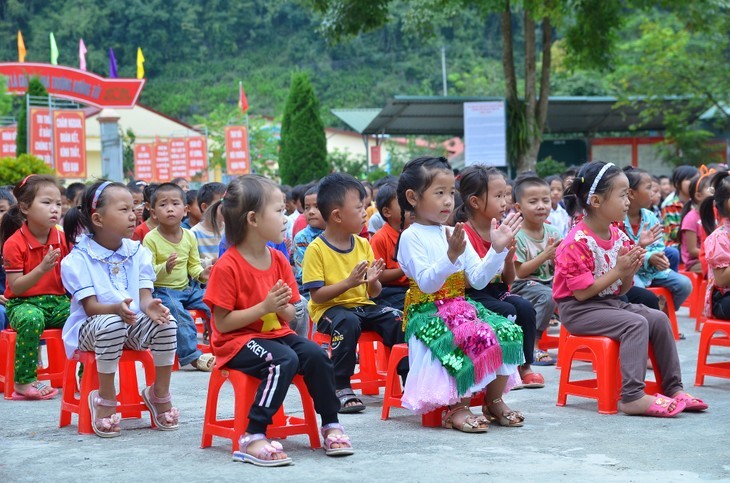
471,424
511,419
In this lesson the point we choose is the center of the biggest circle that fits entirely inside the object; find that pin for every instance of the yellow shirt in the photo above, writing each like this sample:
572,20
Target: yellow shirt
188,259
339,264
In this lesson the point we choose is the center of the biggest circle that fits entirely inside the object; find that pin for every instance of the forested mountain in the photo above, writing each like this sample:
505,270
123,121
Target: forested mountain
196,51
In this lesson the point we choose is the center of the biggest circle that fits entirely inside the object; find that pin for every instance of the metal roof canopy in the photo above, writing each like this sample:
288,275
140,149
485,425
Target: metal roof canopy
416,115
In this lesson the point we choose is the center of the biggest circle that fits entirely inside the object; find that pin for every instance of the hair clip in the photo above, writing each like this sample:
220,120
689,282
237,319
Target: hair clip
582,179
97,194
22,183
703,173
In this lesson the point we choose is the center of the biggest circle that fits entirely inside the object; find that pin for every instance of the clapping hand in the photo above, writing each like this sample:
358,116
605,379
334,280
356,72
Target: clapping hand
456,241
503,235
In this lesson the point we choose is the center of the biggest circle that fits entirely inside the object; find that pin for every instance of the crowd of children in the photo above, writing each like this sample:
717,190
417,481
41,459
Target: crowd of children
469,269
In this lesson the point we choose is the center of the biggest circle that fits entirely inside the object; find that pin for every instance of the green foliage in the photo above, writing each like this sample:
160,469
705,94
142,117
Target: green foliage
35,88
13,170
128,140
346,162
303,145
5,100
549,166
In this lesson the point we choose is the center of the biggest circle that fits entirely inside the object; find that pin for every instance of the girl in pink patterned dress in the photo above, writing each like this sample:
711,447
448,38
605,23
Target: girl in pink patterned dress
594,265
717,248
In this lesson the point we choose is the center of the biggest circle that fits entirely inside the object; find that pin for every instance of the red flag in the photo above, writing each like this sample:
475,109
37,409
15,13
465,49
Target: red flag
242,101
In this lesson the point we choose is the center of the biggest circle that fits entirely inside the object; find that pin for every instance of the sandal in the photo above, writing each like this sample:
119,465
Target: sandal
166,421
542,358
204,363
341,439
345,396
104,427
471,424
263,458
532,380
511,419
35,393
691,403
660,407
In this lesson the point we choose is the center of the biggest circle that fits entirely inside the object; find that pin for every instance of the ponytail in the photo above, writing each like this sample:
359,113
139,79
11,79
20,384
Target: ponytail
718,201
72,225
211,215
707,214
12,221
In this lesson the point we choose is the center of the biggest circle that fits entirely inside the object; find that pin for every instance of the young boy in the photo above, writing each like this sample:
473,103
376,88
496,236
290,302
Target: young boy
314,228
535,255
341,275
208,239
194,213
558,217
395,283
175,255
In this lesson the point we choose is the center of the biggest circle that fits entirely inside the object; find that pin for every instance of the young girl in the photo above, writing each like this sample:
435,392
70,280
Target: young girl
208,233
456,346
595,264
640,222
558,217
250,292
482,190
111,279
32,249
674,203
149,223
691,233
7,201
717,248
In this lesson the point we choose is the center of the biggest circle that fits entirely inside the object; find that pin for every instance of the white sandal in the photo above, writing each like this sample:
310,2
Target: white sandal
104,427
263,458
204,363
170,418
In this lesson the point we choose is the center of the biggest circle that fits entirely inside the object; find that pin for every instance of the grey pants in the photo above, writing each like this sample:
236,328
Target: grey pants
634,327
540,296
300,324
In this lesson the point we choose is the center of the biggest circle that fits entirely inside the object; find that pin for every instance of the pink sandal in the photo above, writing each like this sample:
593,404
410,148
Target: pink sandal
104,427
35,393
660,407
340,439
263,457
691,403
167,421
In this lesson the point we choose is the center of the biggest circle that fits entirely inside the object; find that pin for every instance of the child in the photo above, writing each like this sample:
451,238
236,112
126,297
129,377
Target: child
482,190
111,279
376,221
194,213
535,249
182,183
150,222
72,195
342,275
394,281
509,198
717,248
665,186
674,203
207,230
315,227
300,221
175,256
640,223
138,202
7,201
558,217
593,266
456,347
656,198
251,292
691,234
32,249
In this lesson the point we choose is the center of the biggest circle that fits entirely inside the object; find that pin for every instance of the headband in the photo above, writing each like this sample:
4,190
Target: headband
704,172
600,174
97,195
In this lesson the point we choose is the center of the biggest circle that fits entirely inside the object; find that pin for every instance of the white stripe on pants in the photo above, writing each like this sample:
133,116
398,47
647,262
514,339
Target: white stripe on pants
107,335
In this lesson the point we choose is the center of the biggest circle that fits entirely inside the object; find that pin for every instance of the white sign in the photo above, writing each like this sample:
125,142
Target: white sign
485,133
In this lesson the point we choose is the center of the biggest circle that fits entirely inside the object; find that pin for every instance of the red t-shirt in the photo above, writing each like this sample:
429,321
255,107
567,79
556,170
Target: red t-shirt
481,246
299,224
235,284
23,252
383,243
140,232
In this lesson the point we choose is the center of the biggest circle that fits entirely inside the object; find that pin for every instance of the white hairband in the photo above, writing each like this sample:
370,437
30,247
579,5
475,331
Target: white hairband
603,170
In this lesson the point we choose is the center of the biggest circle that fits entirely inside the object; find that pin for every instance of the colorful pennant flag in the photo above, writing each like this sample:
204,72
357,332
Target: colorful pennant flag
21,48
112,65
54,50
140,64
242,101
82,55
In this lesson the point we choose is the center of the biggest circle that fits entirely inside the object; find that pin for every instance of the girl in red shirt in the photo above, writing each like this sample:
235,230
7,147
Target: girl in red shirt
32,249
251,293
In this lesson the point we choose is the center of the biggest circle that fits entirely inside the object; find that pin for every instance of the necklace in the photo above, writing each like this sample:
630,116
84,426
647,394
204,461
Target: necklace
114,266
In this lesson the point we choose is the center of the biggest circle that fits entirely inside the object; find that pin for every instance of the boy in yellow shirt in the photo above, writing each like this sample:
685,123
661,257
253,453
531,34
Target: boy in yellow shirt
341,273
176,258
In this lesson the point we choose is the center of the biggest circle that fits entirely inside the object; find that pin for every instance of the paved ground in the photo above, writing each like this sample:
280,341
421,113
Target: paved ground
573,443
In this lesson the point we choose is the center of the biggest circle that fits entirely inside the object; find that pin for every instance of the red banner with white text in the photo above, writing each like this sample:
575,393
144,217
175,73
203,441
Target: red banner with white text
237,155
162,161
178,158
198,157
143,162
39,134
7,141
69,143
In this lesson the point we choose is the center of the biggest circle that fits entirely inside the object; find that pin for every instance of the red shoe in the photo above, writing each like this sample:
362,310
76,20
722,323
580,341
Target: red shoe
532,380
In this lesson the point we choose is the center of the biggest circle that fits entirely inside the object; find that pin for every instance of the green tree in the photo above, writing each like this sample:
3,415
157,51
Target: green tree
346,162
303,146
35,88
13,170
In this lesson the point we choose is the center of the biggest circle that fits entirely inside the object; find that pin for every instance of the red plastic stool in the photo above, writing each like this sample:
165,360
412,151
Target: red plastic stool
244,388
548,341
53,372
716,369
200,317
700,319
606,387
129,400
374,356
668,307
